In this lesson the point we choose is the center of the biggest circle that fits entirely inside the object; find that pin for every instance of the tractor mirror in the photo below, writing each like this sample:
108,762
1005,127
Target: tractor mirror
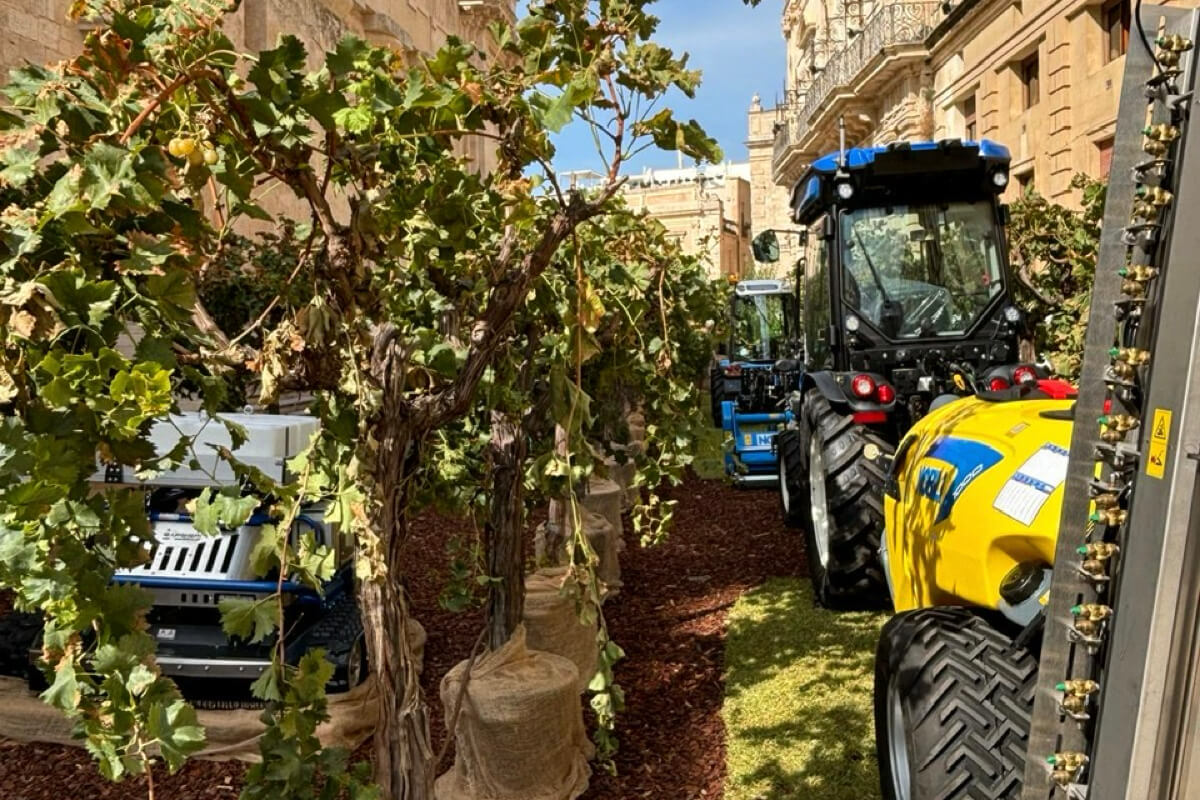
828,232
766,247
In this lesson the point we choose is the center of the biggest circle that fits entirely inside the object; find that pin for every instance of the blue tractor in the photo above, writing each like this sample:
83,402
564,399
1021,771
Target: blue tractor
753,377
906,289
189,573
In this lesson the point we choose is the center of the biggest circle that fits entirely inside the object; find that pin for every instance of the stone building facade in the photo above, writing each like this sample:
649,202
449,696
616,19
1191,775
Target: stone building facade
38,31
707,209
1039,76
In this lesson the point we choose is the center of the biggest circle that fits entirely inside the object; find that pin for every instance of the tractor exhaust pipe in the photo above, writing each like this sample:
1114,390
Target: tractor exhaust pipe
842,141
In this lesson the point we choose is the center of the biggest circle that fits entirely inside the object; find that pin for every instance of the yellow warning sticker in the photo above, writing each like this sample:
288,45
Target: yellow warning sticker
1156,453
747,438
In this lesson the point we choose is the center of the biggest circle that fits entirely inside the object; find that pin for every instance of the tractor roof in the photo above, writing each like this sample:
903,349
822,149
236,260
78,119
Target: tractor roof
954,161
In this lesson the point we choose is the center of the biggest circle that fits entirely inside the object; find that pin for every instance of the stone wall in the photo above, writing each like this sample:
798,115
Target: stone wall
38,31
977,56
709,213
769,202
1070,126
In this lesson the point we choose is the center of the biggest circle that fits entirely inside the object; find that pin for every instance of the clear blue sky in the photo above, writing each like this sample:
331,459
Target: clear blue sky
740,51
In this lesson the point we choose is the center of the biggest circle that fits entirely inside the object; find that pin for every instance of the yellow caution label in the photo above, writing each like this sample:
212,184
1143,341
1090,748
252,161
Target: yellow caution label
1156,453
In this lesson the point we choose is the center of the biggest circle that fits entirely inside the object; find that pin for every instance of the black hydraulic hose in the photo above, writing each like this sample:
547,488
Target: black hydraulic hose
1137,21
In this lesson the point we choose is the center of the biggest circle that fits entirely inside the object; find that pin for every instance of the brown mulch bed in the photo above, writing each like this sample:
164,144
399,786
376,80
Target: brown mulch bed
669,617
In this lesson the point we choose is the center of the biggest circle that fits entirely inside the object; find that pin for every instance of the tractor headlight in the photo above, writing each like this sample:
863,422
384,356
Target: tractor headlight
845,190
852,323
1000,178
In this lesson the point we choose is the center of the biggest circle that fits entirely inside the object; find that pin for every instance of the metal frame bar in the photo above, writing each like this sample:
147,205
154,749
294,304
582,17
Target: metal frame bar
1061,658
1144,682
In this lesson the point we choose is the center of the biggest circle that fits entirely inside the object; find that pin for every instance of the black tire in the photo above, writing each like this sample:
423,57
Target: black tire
340,633
19,633
850,575
793,486
960,694
716,393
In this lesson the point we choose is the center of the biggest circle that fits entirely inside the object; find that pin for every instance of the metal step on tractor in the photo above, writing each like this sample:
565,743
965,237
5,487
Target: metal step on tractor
906,288
188,573
758,369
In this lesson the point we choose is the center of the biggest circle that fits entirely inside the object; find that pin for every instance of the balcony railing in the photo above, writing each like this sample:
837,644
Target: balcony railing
894,24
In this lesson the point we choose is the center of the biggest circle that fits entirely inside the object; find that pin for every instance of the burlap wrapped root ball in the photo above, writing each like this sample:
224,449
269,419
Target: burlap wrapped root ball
520,732
604,541
552,622
637,431
606,498
623,475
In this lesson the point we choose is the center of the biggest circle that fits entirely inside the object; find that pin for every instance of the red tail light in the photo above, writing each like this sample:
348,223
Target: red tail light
733,370
998,384
870,417
885,393
1108,405
1024,374
863,386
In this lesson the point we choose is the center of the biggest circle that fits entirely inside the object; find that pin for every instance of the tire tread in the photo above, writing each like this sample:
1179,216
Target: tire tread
968,694
854,493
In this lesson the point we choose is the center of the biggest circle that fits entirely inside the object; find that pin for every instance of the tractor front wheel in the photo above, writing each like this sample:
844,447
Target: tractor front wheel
716,393
845,520
793,491
953,697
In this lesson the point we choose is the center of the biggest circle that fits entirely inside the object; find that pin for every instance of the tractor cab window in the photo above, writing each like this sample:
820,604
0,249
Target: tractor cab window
760,326
817,347
918,272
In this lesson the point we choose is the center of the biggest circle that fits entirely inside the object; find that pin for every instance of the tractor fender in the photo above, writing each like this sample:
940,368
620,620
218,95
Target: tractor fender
829,384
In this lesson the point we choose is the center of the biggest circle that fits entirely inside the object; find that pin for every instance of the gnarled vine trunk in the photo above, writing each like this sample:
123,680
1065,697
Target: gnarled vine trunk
403,753
505,552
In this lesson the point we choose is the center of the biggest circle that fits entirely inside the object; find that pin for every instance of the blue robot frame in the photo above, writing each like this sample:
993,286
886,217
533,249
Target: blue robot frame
751,396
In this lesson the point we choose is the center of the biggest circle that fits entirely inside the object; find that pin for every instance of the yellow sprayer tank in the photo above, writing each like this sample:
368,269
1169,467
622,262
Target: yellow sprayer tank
977,493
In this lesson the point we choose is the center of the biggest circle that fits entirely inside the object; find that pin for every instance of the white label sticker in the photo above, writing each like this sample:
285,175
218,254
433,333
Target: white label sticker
1024,494
176,533
166,633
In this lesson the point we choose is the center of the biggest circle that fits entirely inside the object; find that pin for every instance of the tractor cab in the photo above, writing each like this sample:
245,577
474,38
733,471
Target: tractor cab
763,322
905,270
907,300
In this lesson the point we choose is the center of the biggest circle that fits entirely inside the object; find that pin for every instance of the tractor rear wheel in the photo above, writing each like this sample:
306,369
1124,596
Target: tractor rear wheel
845,520
953,697
793,491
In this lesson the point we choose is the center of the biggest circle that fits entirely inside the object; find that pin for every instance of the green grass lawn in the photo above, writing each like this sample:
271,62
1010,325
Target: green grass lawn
798,689
710,463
